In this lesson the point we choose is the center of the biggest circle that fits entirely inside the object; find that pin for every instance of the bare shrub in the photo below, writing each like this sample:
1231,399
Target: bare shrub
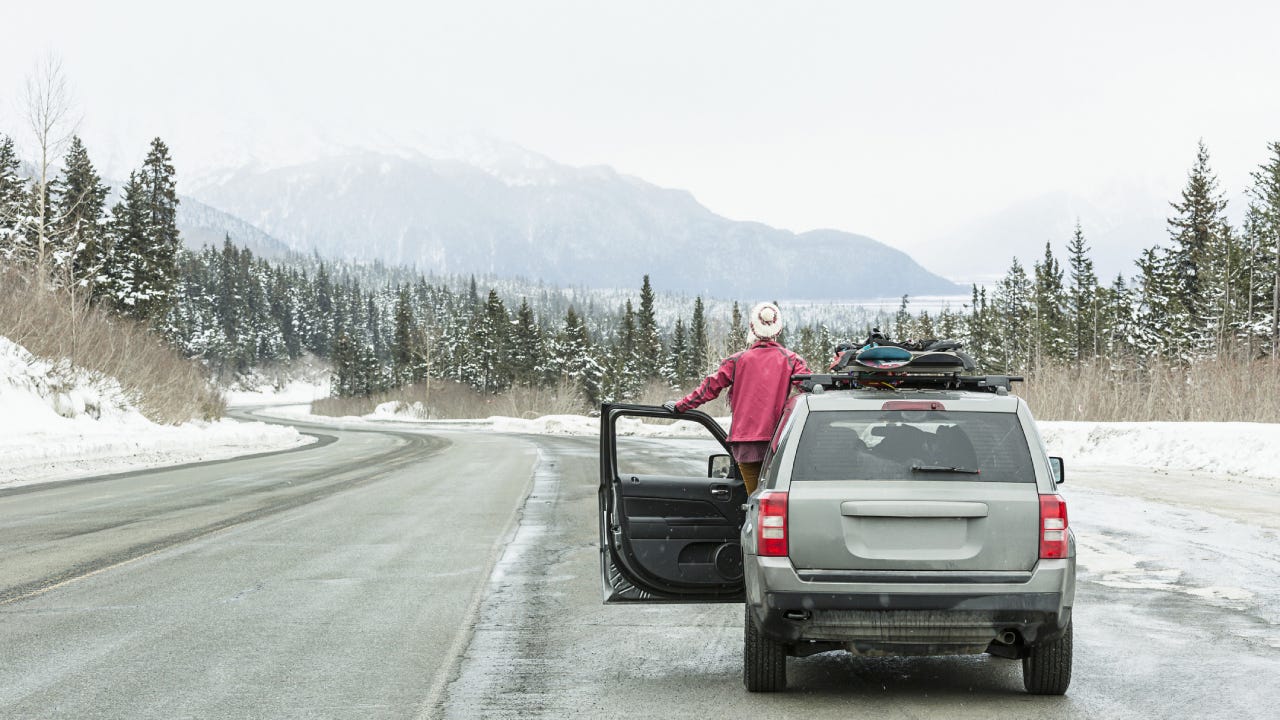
56,324
1209,391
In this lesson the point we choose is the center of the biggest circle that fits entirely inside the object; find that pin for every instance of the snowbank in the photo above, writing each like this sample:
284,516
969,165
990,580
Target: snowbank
298,381
1249,449
59,422
292,392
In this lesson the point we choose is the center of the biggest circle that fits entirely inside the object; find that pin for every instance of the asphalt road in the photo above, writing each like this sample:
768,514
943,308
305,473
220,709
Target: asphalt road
455,574
330,582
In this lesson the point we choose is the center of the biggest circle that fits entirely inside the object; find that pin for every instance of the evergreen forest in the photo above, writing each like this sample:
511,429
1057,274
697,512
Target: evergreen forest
1211,292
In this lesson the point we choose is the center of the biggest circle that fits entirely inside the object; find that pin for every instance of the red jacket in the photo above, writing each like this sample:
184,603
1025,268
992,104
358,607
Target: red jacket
761,380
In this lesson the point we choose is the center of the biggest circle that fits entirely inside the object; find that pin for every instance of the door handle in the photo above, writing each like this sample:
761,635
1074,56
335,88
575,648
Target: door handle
720,492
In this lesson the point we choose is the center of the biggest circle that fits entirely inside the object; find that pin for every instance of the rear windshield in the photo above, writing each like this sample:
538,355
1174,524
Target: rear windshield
913,445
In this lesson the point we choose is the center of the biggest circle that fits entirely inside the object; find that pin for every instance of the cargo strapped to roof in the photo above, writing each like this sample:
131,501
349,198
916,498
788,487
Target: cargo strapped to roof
883,363
892,380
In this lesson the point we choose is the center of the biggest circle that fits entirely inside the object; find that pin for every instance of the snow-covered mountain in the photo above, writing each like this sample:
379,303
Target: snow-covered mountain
201,225
501,210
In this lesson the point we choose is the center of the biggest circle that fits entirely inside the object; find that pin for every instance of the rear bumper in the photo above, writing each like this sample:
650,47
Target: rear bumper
916,617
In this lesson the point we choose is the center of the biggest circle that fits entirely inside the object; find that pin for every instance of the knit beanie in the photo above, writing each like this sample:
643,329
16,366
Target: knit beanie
765,321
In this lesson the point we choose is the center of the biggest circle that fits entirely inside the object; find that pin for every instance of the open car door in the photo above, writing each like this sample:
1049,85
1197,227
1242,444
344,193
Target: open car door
668,537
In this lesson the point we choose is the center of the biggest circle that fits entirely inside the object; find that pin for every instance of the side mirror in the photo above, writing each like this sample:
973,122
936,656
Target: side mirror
719,466
1059,470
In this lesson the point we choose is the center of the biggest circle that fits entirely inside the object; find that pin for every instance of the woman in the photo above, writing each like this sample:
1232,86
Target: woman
759,381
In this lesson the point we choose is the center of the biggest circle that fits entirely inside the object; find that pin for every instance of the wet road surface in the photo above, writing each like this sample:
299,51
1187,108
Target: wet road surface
454,574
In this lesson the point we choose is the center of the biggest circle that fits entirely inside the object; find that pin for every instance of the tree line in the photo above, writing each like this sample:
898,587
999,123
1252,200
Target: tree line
126,256
1212,291
237,312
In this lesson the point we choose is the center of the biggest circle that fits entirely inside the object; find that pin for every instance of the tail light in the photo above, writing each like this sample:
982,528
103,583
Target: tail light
772,525
1053,527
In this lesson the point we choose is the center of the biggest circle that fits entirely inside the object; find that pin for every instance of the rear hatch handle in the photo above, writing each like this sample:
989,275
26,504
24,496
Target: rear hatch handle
913,508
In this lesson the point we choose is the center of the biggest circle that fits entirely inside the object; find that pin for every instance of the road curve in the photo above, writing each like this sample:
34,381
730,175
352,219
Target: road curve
336,581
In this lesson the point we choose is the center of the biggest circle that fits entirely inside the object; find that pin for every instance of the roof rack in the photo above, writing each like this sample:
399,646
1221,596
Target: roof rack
898,380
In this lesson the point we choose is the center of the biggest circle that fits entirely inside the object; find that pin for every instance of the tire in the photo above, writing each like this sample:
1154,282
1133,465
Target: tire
764,661
1047,669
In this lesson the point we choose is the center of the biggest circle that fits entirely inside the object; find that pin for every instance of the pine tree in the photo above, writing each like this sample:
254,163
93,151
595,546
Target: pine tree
490,339
1049,300
1012,308
377,340
13,200
1159,315
950,325
321,342
677,368
648,343
624,360
160,186
1224,289
696,365
1082,299
737,331
1260,258
826,348
1198,231
527,351
345,358
573,348
903,327
404,350
1116,324
124,278
78,217
807,344
1265,236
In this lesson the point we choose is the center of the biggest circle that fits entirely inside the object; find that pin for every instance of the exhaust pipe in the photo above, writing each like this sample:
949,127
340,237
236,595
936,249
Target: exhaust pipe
1007,637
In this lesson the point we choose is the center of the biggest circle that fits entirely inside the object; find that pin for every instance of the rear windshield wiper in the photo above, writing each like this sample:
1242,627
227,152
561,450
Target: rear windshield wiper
945,468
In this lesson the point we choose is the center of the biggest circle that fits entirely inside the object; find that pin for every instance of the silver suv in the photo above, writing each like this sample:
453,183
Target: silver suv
887,522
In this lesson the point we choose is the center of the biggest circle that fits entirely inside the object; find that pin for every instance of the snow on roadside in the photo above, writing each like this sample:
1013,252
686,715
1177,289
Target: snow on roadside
59,422
293,392
1228,448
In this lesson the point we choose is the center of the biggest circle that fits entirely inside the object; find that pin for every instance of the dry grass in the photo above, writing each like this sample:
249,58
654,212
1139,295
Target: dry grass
1229,390
51,324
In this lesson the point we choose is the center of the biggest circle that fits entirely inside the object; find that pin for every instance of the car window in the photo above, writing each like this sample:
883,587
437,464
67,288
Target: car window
668,456
913,445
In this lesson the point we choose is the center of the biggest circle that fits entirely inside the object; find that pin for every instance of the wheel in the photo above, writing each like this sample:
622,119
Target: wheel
764,661
1047,670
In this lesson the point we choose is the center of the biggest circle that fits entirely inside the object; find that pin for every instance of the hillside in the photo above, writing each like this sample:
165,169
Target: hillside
522,215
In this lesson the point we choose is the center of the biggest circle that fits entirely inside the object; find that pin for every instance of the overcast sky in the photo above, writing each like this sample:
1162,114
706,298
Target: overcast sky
897,120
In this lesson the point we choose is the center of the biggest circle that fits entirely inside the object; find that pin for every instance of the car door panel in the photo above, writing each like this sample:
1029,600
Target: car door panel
667,538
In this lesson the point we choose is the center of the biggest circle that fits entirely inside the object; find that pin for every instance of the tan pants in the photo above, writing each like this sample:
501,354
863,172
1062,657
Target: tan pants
750,475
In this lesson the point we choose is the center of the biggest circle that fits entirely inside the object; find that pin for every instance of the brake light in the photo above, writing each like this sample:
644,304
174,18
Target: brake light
1053,527
772,528
912,405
